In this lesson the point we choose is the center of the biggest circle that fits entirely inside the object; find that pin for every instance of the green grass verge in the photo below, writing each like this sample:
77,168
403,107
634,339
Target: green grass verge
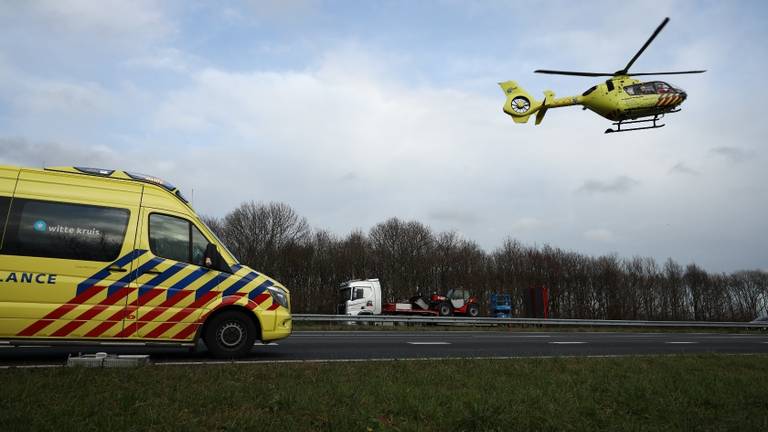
317,326
704,392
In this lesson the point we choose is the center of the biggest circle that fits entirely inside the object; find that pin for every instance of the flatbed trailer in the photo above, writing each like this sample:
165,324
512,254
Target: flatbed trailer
406,309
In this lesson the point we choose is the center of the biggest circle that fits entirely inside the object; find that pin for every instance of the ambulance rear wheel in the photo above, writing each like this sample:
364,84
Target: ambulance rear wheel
230,334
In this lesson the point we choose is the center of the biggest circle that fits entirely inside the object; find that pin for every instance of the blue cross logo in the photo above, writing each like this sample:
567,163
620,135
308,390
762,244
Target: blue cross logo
40,226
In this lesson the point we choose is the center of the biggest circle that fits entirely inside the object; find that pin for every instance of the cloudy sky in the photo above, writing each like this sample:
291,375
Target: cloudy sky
354,112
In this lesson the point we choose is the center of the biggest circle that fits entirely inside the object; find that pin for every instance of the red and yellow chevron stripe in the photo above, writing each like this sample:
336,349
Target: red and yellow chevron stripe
669,100
171,302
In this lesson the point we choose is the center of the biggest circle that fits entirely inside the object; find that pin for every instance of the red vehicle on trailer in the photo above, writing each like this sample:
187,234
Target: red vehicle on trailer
455,302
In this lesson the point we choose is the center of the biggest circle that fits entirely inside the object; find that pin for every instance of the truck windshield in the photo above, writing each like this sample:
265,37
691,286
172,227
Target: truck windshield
345,293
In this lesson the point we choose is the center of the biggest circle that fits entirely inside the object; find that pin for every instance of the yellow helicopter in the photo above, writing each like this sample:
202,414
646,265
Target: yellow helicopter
621,99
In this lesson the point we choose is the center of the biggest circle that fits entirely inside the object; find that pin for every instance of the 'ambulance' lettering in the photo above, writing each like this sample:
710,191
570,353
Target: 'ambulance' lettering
37,278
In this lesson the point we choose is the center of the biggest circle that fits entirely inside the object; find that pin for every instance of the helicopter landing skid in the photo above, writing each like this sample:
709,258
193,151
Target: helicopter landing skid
653,125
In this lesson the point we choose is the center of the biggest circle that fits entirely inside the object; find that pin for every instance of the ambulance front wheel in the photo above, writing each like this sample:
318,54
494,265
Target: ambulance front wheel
230,334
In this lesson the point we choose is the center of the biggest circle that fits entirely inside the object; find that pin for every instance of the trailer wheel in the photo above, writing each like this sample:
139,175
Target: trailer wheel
444,309
473,310
230,334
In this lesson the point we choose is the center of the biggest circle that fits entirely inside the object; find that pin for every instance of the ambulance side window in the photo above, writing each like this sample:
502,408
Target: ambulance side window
177,239
5,202
50,229
169,237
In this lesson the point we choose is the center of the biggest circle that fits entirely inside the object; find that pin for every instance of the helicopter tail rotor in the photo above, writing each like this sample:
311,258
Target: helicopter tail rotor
519,104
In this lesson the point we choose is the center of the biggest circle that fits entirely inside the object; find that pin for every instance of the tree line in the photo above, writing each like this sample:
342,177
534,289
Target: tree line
409,256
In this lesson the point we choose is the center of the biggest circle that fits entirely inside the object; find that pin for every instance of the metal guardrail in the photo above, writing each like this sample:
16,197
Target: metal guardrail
468,321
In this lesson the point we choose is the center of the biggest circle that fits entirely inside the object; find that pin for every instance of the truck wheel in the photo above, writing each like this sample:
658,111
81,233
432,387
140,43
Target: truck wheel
473,310
444,309
230,334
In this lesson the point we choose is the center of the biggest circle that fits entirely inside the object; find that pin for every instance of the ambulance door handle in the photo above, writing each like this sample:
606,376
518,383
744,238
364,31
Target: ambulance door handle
116,270
153,271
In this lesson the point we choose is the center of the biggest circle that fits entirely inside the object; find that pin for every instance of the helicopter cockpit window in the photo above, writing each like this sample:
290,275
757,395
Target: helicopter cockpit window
647,89
630,90
662,87
675,88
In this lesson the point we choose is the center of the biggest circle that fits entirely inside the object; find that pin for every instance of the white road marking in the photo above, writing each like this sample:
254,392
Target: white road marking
40,366
567,343
429,343
681,342
363,360
265,344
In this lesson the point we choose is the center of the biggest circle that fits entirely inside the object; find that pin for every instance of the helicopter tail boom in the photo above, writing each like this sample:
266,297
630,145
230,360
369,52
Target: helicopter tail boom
520,105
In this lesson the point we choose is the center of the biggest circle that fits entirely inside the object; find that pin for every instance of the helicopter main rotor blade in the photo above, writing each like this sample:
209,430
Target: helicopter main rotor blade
586,74
668,73
648,42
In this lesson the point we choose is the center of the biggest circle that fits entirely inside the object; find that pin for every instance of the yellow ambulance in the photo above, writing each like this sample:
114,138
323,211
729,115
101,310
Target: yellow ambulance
108,256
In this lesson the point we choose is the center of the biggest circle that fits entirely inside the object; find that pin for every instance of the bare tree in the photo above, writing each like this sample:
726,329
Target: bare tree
407,256
402,251
257,232
215,224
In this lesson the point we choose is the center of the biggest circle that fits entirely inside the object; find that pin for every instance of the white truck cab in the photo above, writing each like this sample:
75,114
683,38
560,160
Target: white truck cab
359,297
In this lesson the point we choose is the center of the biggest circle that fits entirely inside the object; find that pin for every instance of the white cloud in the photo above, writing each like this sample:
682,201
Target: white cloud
118,19
527,224
62,97
454,217
171,59
361,130
600,235
733,154
620,184
22,152
681,168
281,10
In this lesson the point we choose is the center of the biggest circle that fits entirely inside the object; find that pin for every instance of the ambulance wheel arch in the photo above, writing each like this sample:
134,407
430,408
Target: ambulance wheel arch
230,331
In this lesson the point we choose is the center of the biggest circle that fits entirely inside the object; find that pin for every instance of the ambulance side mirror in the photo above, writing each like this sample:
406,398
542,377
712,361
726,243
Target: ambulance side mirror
213,259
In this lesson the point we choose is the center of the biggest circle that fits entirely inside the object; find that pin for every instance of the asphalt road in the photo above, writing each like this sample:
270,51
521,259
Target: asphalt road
361,345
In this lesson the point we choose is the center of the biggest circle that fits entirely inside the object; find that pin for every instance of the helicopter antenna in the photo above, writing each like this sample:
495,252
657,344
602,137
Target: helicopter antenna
624,71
